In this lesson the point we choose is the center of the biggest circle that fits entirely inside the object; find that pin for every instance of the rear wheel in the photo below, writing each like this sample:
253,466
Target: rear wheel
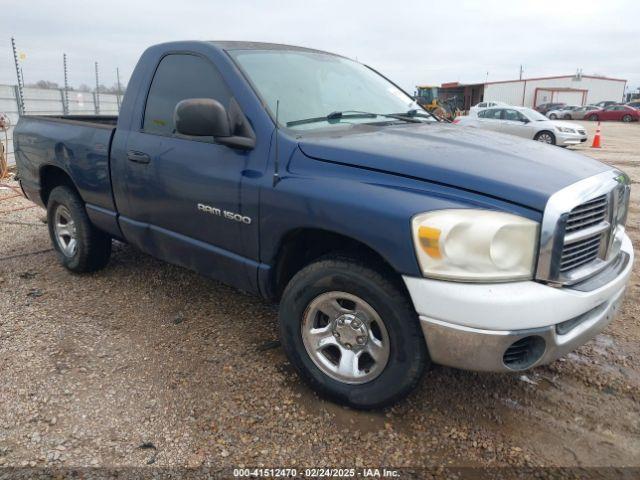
567,117
593,118
627,118
352,333
545,137
553,116
80,246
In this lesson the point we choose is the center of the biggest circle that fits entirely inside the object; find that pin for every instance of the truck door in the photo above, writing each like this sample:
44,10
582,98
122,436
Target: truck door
183,193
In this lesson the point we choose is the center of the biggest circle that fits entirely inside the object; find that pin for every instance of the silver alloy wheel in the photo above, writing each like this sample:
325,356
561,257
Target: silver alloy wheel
545,138
345,337
626,118
65,231
553,116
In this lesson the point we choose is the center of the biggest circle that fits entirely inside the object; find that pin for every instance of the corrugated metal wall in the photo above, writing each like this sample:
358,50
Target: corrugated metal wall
38,101
508,92
523,92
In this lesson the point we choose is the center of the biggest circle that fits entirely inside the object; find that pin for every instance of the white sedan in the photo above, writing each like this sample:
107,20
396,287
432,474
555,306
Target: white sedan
483,105
527,123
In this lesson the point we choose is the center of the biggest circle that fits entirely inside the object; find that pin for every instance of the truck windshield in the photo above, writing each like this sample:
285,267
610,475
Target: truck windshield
311,87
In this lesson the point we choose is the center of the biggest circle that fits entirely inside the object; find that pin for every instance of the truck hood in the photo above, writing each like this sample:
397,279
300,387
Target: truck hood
502,166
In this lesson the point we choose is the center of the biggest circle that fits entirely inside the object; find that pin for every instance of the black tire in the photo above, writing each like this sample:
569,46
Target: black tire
93,246
592,118
627,118
408,352
549,135
567,117
553,116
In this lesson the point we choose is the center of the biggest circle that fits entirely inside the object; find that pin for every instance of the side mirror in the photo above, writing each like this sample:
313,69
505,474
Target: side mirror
206,117
525,120
201,117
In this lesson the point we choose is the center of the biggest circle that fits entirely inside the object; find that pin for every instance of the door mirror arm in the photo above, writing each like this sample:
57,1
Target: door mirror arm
241,143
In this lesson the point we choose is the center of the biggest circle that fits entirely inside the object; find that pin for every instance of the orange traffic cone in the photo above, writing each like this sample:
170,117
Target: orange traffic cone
596,138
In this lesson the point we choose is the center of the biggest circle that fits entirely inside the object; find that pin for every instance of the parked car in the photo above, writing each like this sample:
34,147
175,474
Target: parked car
623,113
483,105
389,239
527,123
563,112
634,104
545,107
577,113
606,103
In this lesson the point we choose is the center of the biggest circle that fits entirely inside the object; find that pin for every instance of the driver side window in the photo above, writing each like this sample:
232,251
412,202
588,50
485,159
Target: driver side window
178,77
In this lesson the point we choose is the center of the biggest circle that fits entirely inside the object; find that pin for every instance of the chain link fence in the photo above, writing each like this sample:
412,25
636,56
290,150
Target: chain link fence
39,101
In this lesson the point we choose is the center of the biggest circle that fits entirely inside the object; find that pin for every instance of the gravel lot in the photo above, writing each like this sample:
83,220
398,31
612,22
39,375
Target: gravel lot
95,368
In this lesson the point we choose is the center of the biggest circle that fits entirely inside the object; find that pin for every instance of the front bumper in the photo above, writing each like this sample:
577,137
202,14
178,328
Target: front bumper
570,138
518,325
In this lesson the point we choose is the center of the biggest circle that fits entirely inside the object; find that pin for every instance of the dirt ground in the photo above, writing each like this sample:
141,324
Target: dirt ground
145,363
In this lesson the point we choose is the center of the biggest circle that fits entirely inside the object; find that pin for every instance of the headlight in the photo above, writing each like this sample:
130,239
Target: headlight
565,130
475,245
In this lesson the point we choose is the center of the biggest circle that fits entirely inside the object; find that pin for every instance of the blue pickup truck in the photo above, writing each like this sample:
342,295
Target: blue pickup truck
390,239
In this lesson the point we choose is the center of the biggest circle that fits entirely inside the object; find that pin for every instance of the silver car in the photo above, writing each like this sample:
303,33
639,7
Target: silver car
527,123
573,112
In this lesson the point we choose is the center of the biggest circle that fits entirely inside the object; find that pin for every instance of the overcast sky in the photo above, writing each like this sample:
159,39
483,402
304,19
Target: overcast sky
412,42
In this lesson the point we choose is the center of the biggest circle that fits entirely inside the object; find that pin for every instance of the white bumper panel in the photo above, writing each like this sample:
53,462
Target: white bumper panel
509,306
475,326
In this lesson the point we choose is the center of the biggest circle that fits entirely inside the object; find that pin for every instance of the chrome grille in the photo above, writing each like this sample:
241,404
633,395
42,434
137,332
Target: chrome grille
588,214
580,252
582,228
581,246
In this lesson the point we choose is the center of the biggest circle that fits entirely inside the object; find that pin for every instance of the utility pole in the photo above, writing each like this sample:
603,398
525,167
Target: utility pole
21,109
97,94
119,87
65,104
521,70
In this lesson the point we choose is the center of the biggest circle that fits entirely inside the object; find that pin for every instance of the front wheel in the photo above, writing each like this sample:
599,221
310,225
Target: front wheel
80,246
545,137
352,333
627,118
553,116
593,118
567,117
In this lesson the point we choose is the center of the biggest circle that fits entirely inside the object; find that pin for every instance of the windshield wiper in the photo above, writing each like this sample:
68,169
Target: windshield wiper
331,116
338,115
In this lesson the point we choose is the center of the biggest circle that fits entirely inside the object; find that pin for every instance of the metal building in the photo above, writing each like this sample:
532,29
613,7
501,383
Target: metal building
530,92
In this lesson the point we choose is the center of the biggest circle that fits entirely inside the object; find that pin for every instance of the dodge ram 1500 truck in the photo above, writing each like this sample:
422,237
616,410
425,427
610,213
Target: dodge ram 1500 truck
390,239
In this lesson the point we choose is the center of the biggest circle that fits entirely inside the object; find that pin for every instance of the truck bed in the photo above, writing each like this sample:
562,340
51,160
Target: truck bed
77,144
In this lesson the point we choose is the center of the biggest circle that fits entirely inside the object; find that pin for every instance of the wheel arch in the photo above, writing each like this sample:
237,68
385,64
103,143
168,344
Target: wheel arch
538,134
301,246
52,176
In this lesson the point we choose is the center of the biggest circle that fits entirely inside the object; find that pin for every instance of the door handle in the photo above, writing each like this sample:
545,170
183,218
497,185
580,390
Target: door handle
138,157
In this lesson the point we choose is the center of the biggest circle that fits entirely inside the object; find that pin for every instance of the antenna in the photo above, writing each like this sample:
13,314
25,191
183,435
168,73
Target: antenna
276,165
